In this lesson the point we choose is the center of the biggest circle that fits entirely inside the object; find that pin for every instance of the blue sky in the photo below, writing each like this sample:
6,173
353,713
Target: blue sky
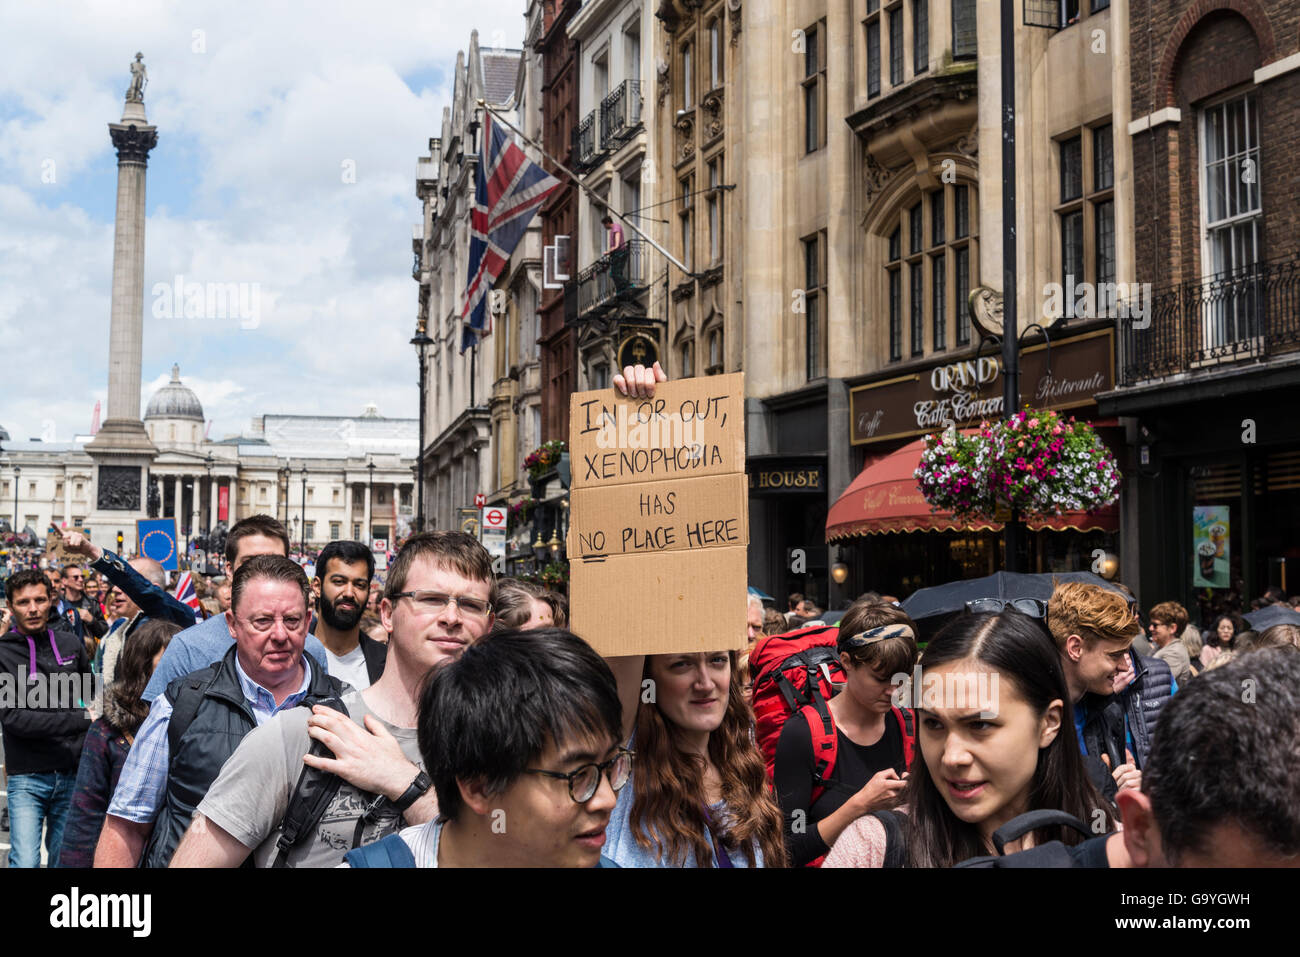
248,185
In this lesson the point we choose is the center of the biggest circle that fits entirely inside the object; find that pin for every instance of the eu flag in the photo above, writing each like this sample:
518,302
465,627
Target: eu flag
157,538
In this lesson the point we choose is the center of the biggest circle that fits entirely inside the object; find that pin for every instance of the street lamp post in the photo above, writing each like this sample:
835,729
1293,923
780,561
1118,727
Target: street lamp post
421,343
1010,328
18,470
303,541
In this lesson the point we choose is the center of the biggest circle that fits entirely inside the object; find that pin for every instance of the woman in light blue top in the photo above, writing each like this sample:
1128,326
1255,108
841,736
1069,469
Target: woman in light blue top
698,796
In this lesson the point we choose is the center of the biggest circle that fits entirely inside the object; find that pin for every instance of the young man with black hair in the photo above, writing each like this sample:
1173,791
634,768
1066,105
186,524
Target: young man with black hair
437,603
341,588
521,738
207,642
1235,804
42,745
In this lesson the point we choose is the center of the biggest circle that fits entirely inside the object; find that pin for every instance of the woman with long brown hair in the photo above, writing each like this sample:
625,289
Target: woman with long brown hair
698,796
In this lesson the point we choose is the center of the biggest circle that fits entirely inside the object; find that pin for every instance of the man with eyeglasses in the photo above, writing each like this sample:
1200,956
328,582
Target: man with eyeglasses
200,719
520,736
366,761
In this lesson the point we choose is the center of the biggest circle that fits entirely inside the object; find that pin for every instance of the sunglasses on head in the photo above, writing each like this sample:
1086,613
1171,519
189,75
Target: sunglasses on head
1033,607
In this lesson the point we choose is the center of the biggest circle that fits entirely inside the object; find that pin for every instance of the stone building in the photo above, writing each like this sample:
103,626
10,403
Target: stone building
326,477
1209,376
610,299
457,457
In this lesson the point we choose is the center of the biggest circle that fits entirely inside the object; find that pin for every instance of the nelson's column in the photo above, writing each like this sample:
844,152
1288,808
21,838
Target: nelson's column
121,450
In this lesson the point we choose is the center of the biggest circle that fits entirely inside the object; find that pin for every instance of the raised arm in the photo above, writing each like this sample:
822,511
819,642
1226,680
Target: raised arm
154,601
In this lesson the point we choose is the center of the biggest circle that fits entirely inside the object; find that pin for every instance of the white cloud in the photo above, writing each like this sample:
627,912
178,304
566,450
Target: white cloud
245,186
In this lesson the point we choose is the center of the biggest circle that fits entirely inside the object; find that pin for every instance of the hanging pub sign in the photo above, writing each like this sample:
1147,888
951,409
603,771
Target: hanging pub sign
637,349
969,390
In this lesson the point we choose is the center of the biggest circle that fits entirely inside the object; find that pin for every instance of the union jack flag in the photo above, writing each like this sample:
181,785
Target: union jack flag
509,189
185,593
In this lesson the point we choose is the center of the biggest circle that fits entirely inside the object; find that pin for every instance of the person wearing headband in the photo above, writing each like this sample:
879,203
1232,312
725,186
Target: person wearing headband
877,642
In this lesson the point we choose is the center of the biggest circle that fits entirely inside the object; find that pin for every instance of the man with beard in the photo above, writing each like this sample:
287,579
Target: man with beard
342,585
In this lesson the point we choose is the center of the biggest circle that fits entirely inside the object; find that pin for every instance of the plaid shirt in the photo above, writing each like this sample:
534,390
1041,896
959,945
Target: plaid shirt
143,783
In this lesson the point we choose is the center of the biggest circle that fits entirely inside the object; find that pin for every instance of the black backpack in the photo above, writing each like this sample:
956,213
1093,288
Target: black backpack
311,795
1051,854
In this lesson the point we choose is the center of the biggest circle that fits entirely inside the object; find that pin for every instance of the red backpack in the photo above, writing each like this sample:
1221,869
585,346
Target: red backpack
800,671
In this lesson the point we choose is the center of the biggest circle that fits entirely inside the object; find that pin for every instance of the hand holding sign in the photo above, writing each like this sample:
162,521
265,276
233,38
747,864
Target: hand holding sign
638,382
659,519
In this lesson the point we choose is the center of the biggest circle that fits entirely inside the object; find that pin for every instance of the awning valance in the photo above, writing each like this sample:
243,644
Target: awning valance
885,498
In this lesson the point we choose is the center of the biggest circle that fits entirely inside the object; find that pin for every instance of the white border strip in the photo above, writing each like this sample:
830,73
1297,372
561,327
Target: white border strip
1170,114
1277,68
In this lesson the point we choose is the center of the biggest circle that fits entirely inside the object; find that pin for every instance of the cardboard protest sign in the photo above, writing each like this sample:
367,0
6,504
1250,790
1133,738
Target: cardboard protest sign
659,518
54,549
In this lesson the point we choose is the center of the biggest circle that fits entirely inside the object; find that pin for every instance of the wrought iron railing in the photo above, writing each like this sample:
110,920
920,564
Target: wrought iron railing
620,114
616,274
584,141
1251,313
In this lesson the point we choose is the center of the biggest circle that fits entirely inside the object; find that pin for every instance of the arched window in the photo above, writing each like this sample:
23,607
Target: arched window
928,267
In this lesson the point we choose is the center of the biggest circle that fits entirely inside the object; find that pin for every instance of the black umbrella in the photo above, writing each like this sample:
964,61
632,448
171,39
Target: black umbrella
1271,615
931,608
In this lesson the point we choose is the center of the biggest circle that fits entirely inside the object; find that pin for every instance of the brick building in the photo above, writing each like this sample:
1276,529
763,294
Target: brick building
1209,379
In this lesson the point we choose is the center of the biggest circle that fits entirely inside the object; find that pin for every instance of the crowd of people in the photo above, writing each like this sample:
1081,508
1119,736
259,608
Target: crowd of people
466,726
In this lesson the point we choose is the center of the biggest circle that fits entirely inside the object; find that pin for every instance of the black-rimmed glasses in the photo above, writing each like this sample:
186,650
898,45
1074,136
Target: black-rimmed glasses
1033,607
585,781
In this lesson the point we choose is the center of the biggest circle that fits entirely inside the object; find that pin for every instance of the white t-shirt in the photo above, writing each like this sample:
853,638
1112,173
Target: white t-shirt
350,668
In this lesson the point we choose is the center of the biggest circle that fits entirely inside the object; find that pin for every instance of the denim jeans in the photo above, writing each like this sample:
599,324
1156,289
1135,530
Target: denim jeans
37,800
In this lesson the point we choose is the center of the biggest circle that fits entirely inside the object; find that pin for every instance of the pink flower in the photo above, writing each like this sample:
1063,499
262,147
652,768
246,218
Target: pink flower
1033,423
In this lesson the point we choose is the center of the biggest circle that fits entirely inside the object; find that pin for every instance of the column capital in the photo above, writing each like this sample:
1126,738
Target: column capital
133,142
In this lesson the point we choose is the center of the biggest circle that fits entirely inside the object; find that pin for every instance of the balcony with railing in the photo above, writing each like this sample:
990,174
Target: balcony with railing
613,277
1204,325
584,142
620,114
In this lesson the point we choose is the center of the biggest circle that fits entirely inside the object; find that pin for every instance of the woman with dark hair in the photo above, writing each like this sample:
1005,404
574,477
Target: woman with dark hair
698,796
877,643
995,744
109,739
1221,637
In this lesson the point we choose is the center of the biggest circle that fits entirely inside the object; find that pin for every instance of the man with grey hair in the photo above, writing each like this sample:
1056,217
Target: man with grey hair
755,618
199,721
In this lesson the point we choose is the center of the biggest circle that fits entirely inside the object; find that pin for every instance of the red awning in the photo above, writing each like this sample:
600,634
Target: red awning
886,498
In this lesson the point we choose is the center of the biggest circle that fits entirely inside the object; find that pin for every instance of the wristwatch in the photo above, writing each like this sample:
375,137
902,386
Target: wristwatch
418,787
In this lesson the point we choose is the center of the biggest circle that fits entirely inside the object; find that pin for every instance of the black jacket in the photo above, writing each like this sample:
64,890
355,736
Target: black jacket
376,653
199,747
97,628
1140,703
46,738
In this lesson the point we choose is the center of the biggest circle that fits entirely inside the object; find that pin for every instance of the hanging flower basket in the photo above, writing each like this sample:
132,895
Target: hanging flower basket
1034,461
555,574
518,513
544,458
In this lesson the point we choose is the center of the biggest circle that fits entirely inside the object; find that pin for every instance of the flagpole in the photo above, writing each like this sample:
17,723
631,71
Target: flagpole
586,189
